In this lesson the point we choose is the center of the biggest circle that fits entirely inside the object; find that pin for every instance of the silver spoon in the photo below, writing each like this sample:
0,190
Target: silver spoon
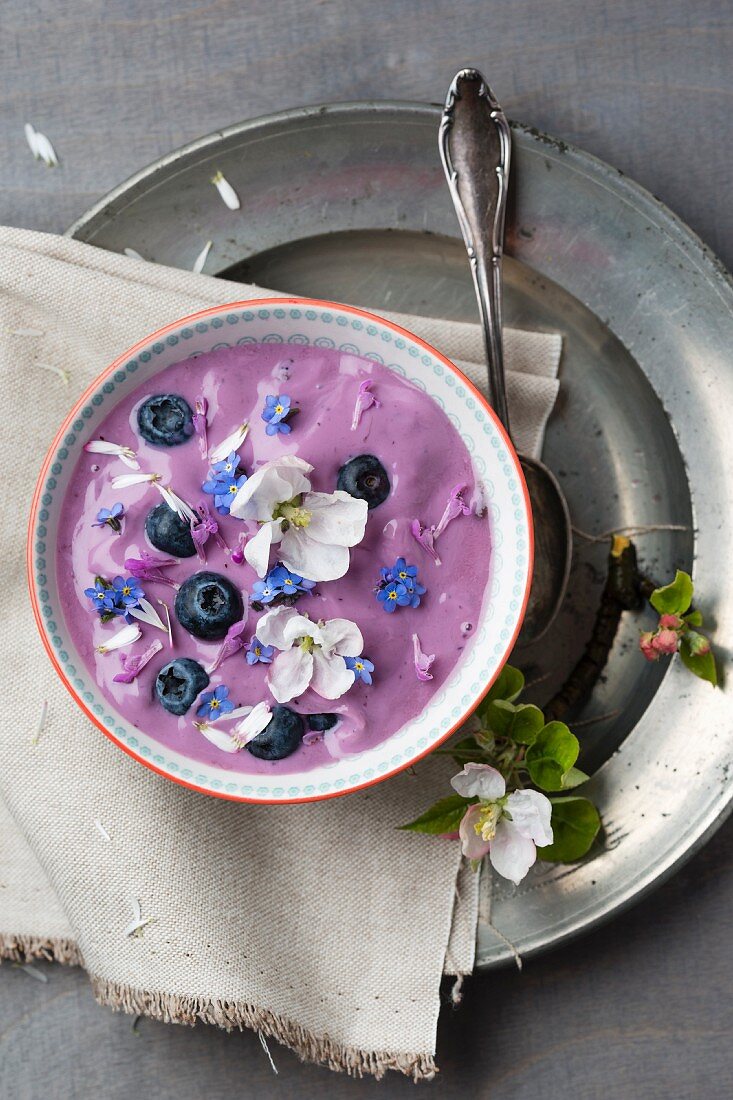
475,147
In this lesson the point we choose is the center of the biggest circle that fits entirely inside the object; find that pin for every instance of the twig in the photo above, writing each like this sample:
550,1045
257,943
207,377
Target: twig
643,530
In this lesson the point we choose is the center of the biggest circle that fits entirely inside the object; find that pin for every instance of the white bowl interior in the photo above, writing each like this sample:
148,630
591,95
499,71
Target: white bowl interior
300,321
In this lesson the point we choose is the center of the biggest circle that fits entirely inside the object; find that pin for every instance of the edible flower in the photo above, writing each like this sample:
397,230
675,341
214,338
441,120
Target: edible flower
312,654
227,192
455,507
507,827
399,586
110,517
231,444
314,530
257,653
201,423
422,661
127,592
392,595
237,554
425,537
174,502
206,528
124,637
104,447
232,643
41,146
280,582
102,596
132,666
146,613
361,668
148,567
223,483
255,721
276,411
215,703
365,399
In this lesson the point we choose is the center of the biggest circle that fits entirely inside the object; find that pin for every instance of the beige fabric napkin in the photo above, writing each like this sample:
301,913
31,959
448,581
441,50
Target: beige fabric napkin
319,925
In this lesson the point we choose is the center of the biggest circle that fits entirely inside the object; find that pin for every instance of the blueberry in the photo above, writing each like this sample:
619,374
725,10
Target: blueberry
319,723
168,532
280,737
178,683
165,420
207,604
365,478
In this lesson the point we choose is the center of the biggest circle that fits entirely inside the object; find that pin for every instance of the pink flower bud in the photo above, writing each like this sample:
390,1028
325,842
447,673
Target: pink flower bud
698,643
666,641
646,647
670,622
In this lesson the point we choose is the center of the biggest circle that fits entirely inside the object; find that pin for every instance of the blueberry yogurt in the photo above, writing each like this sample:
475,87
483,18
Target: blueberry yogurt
270,560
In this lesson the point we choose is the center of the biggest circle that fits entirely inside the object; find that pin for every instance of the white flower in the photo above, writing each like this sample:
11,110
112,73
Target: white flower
255,721
227,192
40,146
312,654
509,827
314,532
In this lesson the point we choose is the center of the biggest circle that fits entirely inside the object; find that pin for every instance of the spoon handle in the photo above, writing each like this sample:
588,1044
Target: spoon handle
475,147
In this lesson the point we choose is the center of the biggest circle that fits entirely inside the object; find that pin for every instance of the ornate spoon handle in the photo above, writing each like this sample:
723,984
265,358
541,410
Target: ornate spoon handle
475,147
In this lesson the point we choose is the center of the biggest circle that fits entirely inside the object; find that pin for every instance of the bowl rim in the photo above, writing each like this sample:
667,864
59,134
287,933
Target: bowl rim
158,335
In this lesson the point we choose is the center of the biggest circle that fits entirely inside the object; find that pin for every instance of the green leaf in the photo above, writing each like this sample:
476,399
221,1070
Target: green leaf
551,756
508,685
694,618
575,825
700,664
573,778
674,598
444,817
497,716
527,722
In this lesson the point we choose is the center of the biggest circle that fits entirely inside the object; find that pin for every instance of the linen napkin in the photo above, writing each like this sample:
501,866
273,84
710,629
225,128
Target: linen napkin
320,925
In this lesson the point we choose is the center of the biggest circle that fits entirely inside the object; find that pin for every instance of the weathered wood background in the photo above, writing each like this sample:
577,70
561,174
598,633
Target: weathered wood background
641,1008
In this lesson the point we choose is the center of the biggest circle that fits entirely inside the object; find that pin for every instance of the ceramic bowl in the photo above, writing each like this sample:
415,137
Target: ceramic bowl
322,324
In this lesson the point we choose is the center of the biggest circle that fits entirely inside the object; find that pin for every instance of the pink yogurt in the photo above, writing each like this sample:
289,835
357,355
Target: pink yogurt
425,459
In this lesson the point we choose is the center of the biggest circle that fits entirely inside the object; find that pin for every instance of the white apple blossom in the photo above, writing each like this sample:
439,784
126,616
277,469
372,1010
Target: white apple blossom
507,827
314,530
312,654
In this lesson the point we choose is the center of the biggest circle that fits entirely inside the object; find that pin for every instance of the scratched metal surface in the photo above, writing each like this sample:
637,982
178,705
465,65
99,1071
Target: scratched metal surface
641,1007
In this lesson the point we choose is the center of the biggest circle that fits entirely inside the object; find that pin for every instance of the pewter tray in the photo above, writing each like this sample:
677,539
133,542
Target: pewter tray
349,202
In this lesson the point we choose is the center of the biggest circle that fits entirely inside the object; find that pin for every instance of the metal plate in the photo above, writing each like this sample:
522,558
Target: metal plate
349,202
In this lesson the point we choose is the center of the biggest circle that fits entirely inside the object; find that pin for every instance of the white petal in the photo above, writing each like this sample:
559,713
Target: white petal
531,812
300,626
146,613
257,549
123,481
32,138
220,738
290,674
232,443
133,254
336,518
479,780
227,192
122,638
511,854
270,628
294,470
103,447
201,259
472,846
46,150
314,560
257,719
341,636
174,502
331,677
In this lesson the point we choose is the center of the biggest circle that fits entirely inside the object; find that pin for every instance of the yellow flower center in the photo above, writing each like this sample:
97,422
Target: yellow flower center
214,704
126,590
279,409
488,819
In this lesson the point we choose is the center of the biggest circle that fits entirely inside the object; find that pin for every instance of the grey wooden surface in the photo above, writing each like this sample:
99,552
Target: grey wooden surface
640,1008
